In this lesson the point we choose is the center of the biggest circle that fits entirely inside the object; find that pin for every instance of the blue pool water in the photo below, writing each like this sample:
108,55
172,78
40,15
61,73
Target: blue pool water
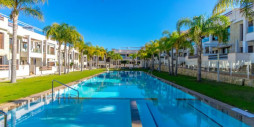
109,106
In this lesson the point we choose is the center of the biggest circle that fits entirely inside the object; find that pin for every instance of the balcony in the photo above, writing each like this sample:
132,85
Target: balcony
215,57
36,50
193,57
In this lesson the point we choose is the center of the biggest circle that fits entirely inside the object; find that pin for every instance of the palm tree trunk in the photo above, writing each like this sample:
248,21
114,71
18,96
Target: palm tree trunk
105,62
109,62
172,61
14,48
97,61
82,60
68,71
65,58
199,62
133,61
169,69
176,66
152,61
59,59
159,61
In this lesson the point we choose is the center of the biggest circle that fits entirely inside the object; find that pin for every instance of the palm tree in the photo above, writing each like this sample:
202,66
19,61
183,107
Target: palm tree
56,32
74,38
29,7
143,55
246,5
118,57
103,54
70,35
97,54
152,48
168,44
82,47
199,27
179,41
133,57
161,48
90,53
110,55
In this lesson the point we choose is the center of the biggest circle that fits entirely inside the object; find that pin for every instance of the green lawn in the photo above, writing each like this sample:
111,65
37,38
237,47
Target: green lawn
239,96
29,86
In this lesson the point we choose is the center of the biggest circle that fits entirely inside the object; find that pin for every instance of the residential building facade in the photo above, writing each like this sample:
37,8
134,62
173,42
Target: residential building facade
36,55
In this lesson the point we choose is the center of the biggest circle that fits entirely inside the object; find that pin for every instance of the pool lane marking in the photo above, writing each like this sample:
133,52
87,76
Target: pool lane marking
205,115
152,115
135,117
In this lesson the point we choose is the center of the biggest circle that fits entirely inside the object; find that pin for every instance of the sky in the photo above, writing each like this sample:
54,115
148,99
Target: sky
119,23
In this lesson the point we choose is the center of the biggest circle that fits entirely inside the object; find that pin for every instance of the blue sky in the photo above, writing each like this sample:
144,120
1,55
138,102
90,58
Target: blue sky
119,23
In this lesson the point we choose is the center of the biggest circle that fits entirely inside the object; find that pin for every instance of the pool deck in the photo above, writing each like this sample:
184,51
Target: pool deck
235,112
42,95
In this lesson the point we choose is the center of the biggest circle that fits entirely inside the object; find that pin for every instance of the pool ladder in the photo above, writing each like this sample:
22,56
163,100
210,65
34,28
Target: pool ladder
5,117
63,85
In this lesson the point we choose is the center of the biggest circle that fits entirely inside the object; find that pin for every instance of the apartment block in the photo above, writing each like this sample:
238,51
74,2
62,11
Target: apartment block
36,55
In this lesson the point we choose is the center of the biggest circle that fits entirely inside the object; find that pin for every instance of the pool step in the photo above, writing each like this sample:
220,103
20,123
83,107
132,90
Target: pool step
146,115
135,118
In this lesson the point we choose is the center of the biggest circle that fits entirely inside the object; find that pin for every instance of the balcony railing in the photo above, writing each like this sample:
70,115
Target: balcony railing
193,57
36,50
6,67
215,57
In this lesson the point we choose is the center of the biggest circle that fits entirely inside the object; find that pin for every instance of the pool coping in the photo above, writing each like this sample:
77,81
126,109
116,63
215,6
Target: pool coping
41,95
221,106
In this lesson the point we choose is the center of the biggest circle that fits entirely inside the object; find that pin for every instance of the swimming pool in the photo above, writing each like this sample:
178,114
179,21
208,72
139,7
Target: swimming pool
106,102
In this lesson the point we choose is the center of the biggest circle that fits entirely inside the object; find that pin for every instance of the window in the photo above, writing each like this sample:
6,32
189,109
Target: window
1,41
250,49
241,32
1,60
228,33
250,26
215,38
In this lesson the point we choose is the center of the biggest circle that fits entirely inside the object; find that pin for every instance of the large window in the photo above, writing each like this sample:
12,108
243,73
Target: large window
250,49
1,41
241,32
1,60
250,26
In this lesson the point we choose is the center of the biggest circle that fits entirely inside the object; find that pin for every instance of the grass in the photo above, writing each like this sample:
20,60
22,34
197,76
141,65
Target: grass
238,96
29,86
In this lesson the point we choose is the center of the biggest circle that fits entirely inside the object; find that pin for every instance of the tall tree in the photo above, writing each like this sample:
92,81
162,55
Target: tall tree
28,7
82,47
142,54
161,48
245,5
110,55
56,32
199,27
168,44
179,41
90,53
133,57
152,48
74,39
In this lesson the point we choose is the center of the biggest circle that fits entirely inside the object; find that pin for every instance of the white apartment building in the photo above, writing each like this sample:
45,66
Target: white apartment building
240,46
125,53
36,55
